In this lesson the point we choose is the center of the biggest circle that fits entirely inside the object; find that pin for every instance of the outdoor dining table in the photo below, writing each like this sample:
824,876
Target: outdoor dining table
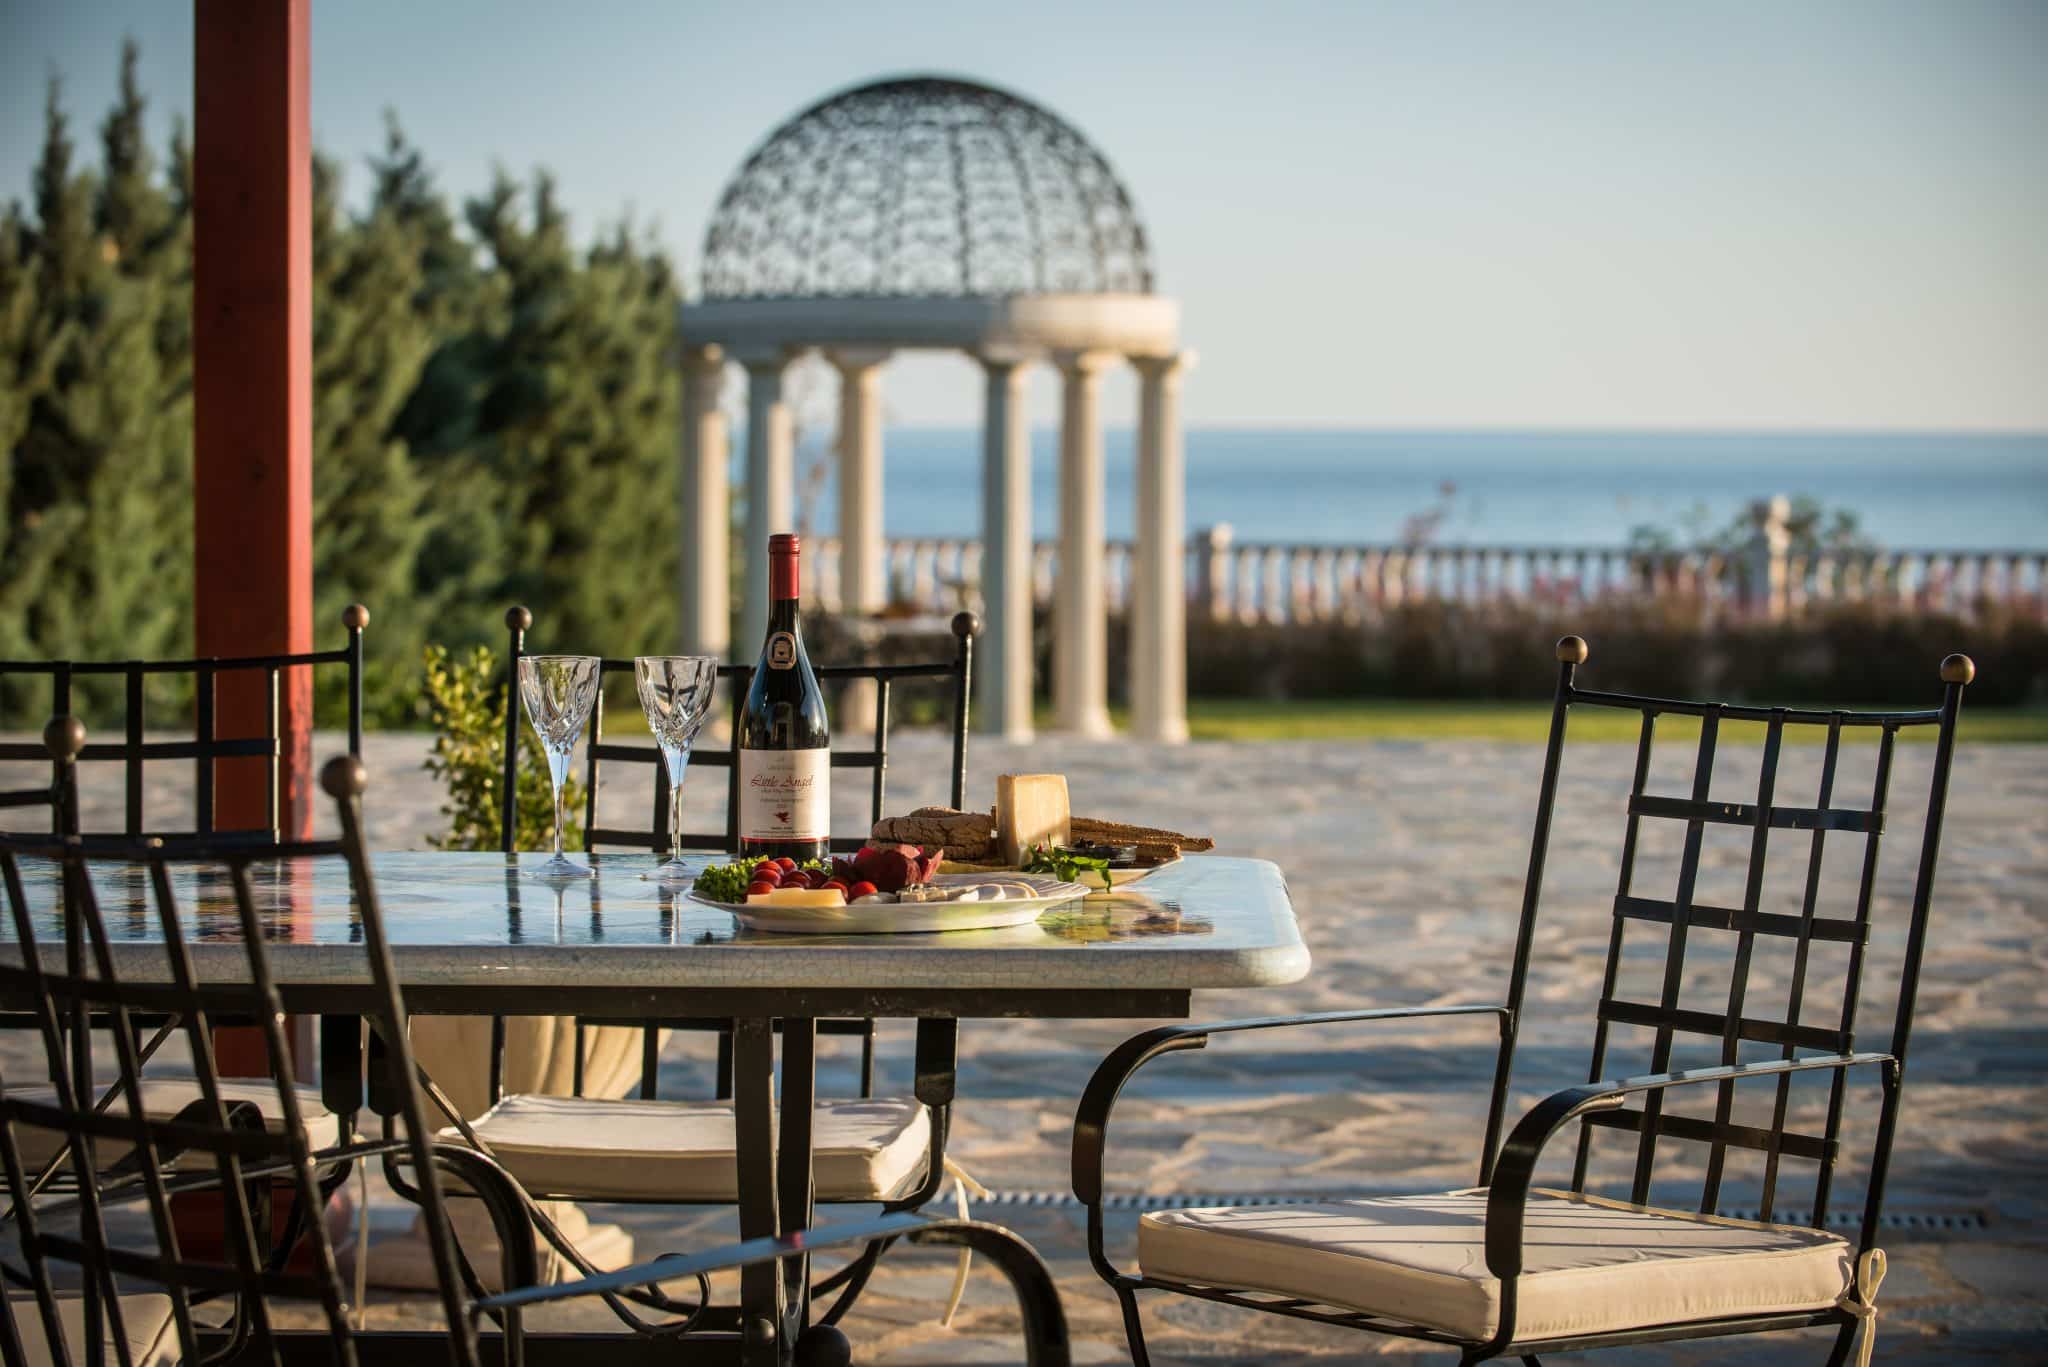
473,935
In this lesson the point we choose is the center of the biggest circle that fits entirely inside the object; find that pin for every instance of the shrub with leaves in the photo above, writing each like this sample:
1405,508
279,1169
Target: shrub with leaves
466,706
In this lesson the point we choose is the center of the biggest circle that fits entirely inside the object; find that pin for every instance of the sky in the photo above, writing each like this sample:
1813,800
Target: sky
1580,214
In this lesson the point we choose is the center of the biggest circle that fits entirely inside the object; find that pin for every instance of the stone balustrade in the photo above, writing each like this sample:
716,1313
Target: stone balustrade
1288,582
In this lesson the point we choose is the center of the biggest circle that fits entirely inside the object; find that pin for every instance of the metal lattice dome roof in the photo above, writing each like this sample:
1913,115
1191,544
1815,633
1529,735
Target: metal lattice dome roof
924,187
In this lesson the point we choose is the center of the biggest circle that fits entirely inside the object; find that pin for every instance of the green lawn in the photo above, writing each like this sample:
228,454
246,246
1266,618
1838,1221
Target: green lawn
1383,719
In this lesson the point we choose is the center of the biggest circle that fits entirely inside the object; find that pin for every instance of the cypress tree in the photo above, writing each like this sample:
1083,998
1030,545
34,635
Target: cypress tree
494,411
133,212
370,514
28,362
578,422
106,446
454,574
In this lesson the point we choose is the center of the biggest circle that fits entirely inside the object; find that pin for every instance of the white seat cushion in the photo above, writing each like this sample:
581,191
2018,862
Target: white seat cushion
1590,1265
152,1338
866,1149
163,1098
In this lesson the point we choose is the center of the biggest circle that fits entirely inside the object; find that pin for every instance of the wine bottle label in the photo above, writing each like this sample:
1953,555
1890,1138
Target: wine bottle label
785,794
781,650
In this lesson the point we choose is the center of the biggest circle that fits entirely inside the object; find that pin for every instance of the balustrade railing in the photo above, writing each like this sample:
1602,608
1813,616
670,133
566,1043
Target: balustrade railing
1286,582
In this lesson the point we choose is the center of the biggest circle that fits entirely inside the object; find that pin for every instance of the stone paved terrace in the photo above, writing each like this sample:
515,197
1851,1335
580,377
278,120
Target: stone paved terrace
1405,861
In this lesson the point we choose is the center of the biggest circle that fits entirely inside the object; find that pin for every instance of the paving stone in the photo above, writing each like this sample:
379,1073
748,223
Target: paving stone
1997,1271
1405,861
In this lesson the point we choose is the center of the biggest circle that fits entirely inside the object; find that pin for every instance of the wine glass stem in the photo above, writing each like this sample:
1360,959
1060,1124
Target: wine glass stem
555,784
675,823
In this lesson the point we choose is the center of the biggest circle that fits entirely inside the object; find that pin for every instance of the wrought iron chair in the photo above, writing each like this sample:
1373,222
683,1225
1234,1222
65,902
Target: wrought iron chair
1509,1268
134,753
124,1149
64,739
886,1150
238,1139
60,795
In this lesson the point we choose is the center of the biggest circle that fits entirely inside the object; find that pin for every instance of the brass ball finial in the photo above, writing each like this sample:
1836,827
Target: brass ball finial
64,737
1571,650
344,776
519,619
1958,669
355,617
966,624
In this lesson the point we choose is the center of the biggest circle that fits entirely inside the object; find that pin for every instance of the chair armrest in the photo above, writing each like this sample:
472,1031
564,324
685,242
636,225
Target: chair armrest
1045,1325
1507,1198
1091,1118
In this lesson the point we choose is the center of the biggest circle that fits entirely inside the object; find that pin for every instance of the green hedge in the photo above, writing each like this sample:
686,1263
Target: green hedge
1440,650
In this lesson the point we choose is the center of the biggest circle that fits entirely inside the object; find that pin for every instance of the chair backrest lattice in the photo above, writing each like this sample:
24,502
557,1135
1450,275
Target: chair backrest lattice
70,973
1752,933
956,672
134,753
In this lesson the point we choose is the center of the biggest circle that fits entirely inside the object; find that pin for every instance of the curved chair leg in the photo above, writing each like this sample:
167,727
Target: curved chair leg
854,1277
1134,1328
1845,1346
298,1222
519,1264
1045,1323
1038,1300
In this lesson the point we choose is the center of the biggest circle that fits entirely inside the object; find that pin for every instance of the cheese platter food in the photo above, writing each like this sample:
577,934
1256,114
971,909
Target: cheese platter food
1032,828
881,889
941,869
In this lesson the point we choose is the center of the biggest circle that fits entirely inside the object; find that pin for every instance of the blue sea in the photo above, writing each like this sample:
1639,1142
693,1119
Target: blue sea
1907,491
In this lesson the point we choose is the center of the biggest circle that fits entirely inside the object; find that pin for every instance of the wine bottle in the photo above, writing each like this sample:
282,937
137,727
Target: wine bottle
785,740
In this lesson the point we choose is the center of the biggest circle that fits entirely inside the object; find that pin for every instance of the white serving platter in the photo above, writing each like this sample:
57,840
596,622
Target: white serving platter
880,918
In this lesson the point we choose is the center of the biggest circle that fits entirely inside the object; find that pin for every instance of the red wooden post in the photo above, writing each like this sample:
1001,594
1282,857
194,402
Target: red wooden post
252,398
252,404
252,380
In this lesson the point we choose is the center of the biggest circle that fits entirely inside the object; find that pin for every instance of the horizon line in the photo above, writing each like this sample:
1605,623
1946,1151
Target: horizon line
1340,427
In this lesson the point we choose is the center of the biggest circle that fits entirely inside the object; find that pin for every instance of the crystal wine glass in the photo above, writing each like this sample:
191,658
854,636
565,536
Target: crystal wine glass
676,691
559,691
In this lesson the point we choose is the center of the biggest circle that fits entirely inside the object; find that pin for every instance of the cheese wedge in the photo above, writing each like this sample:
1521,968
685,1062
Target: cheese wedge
798,897
1031,809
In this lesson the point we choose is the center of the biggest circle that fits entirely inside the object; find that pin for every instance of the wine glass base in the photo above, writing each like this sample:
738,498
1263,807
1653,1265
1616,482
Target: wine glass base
671,871
560,870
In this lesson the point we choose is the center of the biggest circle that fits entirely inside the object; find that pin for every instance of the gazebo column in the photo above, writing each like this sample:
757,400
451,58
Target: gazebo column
771,483
1002,668
862,586
706,525
1159,641
1080,613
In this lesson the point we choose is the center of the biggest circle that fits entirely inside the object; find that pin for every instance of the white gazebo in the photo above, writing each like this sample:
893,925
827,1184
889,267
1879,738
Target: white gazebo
926,212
